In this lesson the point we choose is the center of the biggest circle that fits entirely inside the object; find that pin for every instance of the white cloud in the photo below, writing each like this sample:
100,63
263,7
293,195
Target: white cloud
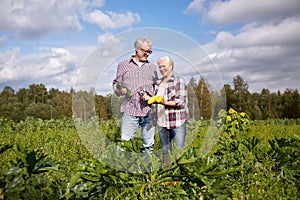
33,18
264,49
255,10
81,52
2,40
195,6
44,67
261,54
112,20
284,33
244,11
104,37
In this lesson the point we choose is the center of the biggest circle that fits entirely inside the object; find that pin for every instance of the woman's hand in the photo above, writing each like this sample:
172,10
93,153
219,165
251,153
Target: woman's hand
168,103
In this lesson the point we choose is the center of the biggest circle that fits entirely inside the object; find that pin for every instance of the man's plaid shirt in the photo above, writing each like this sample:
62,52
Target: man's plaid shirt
135,78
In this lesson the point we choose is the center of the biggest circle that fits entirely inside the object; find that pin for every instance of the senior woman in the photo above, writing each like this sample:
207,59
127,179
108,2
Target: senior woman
172,112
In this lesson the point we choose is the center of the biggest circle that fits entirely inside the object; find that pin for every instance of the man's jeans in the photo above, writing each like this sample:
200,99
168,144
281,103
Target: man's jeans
130,125
166,136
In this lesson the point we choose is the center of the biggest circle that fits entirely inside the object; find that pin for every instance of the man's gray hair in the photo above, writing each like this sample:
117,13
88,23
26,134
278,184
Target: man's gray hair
142,41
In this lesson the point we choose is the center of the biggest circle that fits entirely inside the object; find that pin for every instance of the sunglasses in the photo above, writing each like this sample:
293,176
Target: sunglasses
144,51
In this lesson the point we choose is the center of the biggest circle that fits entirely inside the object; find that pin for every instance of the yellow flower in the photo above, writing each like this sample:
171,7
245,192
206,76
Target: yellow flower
231,111
171,183
228,118
242,114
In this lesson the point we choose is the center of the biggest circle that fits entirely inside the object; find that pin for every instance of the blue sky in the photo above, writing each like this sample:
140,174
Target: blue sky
49,42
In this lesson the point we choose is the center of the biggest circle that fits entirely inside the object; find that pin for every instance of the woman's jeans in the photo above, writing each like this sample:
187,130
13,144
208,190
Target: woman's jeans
130,125
167,135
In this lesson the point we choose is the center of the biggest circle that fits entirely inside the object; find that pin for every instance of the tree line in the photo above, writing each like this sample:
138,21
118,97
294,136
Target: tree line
38,102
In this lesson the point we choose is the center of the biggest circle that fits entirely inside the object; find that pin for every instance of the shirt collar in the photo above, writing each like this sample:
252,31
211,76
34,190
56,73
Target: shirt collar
172,78
131,59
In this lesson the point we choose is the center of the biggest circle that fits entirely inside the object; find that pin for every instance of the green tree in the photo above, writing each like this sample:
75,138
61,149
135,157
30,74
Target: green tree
100,105
276,102
255,112
241,94
193,104
37,93
53,102
64,105
9,107
83,105
219,102
204,99
229,95
265,104
290,104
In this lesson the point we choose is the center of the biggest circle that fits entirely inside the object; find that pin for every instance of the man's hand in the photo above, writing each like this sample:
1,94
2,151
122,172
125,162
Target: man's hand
145,97
123,91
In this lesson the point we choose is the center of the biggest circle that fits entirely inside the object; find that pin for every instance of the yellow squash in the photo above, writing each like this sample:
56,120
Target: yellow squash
155,99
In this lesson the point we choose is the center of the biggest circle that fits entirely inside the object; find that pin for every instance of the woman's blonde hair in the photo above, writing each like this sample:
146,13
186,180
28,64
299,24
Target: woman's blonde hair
167,58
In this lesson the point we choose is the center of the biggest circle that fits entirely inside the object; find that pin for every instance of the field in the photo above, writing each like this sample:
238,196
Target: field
45,159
